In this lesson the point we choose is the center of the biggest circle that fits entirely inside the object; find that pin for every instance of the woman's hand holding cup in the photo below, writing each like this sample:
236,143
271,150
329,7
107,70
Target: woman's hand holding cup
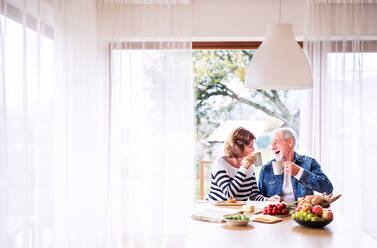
248,161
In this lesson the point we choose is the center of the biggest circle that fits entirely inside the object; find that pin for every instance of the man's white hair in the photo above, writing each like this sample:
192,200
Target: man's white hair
286,133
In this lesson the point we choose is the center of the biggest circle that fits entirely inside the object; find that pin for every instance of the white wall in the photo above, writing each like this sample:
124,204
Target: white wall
244,19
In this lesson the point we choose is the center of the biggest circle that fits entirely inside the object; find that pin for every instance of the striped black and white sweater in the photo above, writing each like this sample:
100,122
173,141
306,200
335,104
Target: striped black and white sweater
228,181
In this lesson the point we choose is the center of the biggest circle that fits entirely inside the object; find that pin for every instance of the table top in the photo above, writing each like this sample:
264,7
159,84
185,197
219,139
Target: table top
287,233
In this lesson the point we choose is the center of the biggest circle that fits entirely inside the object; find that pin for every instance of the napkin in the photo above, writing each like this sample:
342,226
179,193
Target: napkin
213,214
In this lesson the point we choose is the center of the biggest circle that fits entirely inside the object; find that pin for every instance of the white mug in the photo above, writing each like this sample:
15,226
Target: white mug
257,159
278,167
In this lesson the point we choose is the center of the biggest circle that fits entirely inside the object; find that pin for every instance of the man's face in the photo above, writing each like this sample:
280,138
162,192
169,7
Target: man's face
280,147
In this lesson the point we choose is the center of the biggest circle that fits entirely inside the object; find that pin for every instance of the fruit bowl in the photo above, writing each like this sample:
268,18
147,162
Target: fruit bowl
317,224
312,216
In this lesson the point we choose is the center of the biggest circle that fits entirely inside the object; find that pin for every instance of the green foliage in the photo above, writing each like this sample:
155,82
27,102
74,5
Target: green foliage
214,72
212,69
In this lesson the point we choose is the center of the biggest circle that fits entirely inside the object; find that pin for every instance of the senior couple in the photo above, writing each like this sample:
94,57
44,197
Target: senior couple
233,175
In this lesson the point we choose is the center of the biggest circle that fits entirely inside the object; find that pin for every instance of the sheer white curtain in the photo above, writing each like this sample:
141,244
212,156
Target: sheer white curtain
80,127
53,131
26,93
152,121
96,123
341,121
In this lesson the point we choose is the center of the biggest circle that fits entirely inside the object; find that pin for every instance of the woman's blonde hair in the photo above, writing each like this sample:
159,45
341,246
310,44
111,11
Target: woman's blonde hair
234,146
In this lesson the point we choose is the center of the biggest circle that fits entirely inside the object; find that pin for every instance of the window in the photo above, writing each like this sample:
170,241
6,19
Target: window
26,112
223,104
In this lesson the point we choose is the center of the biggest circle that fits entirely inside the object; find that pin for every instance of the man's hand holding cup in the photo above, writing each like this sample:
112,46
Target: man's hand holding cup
291,168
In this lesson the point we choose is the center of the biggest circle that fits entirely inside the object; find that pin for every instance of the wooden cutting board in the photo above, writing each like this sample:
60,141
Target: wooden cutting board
266,219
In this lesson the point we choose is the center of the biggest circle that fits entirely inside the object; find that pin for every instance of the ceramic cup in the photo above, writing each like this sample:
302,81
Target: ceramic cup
257,158
278,168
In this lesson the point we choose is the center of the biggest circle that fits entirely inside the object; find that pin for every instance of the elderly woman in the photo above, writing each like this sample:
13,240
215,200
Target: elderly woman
232,175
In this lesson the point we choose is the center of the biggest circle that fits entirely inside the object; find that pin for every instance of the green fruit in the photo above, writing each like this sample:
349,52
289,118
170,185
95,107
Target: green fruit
307,219
309,216
315,219
304,214
302,218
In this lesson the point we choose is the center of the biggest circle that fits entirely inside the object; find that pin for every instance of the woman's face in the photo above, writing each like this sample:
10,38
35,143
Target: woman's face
249,149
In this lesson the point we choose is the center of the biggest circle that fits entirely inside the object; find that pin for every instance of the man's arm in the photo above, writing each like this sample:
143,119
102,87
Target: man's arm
316,179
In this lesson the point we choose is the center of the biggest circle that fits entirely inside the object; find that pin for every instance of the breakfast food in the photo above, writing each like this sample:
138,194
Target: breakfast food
248,208
231,200
237,220
237,217
250,156
276,209
313,214
323,200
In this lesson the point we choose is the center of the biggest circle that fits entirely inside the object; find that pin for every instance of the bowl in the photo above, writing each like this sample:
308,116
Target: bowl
237,222
311,224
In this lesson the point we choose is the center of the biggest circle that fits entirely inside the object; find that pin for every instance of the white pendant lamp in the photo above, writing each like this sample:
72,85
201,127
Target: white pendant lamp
279,63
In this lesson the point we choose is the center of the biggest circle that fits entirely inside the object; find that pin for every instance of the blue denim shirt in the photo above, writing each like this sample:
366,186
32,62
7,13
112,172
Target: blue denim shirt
312,179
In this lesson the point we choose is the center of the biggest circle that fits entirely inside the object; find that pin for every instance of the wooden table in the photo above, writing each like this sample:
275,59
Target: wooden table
286,233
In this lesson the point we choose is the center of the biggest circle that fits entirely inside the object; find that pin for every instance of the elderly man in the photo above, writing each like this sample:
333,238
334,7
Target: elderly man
302,175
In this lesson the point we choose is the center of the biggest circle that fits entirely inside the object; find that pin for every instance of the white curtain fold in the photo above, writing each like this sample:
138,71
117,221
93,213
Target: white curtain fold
96,123
80,127
339,124
152,121
26,79
151,145
54,125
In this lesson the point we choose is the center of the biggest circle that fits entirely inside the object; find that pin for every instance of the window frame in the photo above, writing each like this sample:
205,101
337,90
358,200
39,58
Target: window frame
31,22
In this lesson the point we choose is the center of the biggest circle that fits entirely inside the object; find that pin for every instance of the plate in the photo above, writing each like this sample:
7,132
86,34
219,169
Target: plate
312,224
238,203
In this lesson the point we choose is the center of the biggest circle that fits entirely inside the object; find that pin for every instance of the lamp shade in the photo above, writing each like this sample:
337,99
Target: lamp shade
279,63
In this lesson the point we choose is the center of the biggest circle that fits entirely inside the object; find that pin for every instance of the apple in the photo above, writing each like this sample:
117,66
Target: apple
307,207
298,209
317,210
327,214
